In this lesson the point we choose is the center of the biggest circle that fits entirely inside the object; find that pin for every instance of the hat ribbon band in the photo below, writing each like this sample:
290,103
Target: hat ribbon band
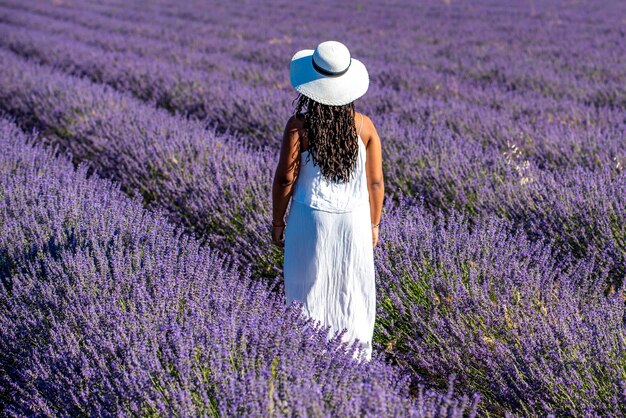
329,73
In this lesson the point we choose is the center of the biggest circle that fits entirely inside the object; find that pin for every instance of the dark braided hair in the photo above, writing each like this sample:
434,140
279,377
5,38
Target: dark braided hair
332,137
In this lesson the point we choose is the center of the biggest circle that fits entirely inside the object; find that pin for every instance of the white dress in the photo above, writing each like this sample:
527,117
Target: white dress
329,258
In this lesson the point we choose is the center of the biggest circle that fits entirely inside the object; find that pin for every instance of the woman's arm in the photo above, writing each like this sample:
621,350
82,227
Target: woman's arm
285,177
375,179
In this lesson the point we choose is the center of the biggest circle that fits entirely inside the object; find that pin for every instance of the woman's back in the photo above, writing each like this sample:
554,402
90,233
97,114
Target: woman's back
329,262
314,190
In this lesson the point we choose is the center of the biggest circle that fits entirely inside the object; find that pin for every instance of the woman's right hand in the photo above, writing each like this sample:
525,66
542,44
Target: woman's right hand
278,236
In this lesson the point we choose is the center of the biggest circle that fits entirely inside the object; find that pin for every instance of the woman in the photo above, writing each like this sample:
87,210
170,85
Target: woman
330,167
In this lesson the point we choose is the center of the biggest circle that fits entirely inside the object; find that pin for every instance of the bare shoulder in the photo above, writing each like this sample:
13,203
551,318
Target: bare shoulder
293,130
295,122
367,122
368,131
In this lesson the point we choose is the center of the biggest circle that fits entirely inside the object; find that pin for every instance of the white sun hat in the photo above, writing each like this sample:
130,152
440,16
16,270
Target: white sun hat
328,74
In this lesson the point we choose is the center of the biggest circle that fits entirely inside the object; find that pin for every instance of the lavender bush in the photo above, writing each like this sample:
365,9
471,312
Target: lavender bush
147,60
209,183
193,188
503,313
106,309
503,247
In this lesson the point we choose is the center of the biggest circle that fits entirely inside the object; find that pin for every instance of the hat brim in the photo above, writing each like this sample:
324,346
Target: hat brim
328,90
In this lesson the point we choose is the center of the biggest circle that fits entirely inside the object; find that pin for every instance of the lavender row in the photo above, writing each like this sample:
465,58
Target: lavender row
579,139
224,99
569,137
470,47
461,150
192,175
194,24
580,209
505,46
107,309
34,104
527,327
475,285
211,184
209,96
85,26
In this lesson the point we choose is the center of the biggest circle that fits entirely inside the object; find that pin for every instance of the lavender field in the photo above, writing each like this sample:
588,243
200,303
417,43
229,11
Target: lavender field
138,141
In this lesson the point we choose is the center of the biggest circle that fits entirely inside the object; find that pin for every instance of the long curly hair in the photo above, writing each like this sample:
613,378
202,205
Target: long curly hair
332,137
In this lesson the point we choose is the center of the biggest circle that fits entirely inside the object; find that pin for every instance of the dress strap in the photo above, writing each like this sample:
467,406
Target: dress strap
360,127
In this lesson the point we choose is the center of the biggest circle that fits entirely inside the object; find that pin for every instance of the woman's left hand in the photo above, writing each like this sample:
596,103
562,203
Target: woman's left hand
374,236
278,236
